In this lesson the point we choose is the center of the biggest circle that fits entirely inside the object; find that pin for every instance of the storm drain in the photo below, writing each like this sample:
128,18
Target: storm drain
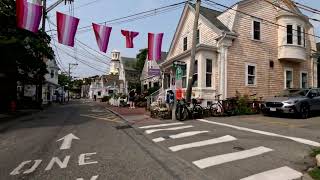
123,127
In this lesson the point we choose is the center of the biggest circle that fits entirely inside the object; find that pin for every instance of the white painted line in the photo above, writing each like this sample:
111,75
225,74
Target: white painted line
224,158
66,144
159,139
168,129
299,140
283,173
180,135
222,139
160,125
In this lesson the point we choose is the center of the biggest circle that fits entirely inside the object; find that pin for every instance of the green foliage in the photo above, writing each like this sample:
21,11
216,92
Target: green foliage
141,57
105,99
243,106
63,80
315,173
152,90
315,152
21,49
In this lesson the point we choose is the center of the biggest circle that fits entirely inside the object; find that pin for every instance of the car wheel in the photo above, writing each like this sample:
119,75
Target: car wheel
304,111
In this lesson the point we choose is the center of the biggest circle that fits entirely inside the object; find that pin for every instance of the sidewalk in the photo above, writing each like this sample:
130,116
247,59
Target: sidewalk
137,116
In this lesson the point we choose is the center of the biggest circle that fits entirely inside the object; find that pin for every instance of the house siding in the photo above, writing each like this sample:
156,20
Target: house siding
269,81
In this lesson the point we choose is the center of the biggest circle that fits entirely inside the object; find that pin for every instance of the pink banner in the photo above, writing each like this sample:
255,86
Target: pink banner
154,46
28,15
130,35
102,34
67,28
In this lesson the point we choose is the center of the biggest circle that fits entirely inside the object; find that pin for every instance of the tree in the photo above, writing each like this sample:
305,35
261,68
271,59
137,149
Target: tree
23,53
141,58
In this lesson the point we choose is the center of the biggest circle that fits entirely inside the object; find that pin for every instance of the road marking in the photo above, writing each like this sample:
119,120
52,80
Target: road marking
224,158
160,125
92,178
34,167
299,140
17,169
58,162
86,157
168,129
283,173
67,140
105,119
222,139
180,135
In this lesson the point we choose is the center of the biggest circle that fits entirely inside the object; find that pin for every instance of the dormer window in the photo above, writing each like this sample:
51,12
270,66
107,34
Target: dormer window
299,35
289,34
256,30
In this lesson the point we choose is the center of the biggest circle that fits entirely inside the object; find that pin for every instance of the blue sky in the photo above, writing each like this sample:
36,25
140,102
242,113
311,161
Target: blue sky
89,11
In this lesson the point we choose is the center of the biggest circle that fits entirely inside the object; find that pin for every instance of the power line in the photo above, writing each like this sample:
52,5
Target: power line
252,16
82,61
307,7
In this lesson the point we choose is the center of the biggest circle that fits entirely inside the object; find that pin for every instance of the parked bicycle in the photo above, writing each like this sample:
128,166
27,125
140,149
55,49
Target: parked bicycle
255,104
220,107
184,111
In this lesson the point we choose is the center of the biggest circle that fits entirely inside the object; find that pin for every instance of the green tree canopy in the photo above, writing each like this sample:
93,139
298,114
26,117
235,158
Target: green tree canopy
141,57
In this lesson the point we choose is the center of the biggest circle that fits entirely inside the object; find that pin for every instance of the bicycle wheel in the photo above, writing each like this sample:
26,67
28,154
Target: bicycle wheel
197,111
181,113
216,109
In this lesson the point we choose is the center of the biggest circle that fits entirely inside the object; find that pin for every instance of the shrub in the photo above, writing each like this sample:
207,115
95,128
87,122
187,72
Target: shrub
105,99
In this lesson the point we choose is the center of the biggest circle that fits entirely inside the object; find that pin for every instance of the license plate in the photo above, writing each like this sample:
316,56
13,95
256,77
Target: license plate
273,109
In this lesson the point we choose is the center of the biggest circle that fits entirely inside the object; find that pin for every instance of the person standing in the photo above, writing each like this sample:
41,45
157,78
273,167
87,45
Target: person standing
132,94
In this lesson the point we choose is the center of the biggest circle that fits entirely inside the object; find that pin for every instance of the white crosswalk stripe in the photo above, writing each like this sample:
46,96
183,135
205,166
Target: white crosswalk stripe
224,158
167,129
160,125
180,135
222,139
283,173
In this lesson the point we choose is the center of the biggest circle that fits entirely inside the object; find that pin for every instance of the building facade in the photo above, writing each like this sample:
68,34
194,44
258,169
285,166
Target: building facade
255,47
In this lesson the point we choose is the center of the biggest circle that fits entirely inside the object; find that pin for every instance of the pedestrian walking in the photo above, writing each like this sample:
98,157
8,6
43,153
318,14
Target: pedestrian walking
132,95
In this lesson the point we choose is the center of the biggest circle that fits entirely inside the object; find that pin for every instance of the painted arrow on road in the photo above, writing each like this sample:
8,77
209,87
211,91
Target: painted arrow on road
66,144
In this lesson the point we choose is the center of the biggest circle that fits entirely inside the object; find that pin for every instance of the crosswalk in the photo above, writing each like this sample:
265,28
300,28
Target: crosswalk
214,160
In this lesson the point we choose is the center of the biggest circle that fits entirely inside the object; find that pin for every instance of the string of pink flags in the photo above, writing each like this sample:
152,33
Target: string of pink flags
29,17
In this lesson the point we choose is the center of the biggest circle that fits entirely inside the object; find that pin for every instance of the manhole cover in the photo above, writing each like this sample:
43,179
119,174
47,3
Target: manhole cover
238,148
123,127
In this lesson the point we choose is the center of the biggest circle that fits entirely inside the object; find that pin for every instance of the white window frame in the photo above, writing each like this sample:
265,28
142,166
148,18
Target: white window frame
303,72
255,74
301,29
183,43
285,77
293,34
252,29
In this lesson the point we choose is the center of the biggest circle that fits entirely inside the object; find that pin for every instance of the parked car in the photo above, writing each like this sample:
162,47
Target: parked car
296,101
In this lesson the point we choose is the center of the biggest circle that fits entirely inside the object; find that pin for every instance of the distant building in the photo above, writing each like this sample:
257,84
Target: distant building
121,75
151,73
318,53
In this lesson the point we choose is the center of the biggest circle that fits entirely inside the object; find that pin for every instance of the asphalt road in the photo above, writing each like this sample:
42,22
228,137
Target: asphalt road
99,145
103,148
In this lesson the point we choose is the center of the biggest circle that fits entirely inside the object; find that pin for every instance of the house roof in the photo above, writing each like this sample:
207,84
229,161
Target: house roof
211,15
163,57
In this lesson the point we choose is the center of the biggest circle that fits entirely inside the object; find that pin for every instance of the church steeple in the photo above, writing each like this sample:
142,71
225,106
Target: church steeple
115,62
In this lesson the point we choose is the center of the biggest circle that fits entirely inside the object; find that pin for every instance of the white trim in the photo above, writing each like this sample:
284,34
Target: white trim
252,29
255,74
293,34
301,78
285,77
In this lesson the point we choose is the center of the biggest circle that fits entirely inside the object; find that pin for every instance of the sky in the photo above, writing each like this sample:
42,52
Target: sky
98,11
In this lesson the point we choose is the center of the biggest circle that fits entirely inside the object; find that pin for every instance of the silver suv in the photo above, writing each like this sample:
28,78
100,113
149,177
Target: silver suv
294,101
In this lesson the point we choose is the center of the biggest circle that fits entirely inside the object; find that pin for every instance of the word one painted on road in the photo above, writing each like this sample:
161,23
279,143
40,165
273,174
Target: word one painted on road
27,167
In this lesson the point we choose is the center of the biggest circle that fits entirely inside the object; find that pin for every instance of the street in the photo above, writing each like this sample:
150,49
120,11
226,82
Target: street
83,140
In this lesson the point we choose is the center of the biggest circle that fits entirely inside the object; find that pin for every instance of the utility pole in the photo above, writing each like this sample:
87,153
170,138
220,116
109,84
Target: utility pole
69,75
193,51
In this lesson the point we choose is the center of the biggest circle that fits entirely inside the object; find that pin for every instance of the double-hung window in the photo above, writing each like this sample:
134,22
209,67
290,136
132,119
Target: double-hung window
195,74
299,35
198,37
304,80
289,34
304,37
185,43
184,76
251,73
288,78
208,73
256,30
